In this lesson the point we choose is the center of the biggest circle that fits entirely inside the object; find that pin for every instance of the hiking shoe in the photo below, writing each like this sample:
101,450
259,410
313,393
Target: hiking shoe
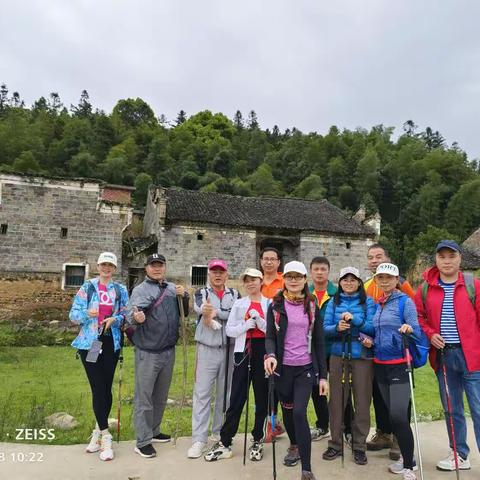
307,475
348,439
448,464
161,438
397,467
319,434
196,450
292,457
256,451
106,452
217,452
331,454
379,441
94,445
147,451
359,457
394,453
409,475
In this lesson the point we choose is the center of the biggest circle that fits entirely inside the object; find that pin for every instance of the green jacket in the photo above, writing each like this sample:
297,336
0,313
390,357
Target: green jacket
322,304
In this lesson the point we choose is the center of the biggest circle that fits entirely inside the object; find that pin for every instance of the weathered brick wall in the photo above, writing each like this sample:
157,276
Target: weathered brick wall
35,214
183,249
340,251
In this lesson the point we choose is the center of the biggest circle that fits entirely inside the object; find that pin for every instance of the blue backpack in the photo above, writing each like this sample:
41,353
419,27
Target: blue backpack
418,347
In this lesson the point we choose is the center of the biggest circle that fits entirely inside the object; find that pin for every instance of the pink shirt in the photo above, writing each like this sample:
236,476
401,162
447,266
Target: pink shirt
105,307
296,341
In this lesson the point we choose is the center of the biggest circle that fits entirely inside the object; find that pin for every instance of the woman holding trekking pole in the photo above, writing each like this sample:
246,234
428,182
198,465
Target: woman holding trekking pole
348,324
396,316
246,323
296,356
99,308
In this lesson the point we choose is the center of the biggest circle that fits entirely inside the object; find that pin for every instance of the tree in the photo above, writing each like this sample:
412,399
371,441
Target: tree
131,113
310,188
181,117
84,107
263,184
83,164
26,163
252,122
141,184
238,120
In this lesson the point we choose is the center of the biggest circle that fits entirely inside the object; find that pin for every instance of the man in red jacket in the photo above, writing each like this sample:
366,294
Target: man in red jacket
449,312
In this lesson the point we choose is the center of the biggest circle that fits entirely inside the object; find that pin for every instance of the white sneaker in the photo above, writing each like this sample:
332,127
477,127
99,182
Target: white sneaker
256,451
197,449
94,445
106,452
318,434
448,464
409,475
397,467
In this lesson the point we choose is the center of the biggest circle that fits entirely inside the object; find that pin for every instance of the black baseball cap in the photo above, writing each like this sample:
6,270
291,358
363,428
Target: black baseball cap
155,257
450,244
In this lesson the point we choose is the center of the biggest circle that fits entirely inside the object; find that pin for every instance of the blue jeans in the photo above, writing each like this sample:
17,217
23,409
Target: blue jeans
459,380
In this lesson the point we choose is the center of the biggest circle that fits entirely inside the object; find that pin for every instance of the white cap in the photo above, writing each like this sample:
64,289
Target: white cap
297,267
388,269
349,271
251,272
107,257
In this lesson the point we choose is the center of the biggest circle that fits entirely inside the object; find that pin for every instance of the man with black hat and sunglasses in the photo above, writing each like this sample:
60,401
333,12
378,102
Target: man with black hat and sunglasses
154,310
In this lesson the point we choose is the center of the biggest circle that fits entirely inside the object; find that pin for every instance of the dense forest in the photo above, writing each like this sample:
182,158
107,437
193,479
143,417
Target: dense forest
423,188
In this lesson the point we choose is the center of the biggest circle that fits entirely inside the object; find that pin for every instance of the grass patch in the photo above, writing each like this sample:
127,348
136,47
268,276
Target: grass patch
39,381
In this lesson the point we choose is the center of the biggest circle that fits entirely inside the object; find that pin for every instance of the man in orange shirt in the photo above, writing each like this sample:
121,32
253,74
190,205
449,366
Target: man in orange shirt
383,437
272,278
272,282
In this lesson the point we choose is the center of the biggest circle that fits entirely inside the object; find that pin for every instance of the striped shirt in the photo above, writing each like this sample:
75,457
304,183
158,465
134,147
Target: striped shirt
448,323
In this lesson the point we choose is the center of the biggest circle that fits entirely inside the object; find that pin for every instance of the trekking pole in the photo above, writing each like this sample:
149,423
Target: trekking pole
350,395
343,397
225,388
410,381
450,413
271,399
120,375
185,366
248,398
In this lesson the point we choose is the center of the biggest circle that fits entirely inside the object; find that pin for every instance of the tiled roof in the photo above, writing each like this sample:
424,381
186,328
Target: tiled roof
117,194
262,212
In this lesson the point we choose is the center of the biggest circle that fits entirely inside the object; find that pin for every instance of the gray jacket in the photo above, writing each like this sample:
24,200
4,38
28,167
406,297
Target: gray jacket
206,335
159,332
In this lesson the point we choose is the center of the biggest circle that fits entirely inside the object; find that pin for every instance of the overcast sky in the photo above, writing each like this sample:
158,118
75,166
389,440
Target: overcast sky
309,64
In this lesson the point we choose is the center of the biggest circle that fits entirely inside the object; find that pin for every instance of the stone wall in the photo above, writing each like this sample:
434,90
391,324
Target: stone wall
35,212
340,251
187,245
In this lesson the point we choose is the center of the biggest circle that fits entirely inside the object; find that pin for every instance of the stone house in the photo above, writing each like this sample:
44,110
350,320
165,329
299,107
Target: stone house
54,228
191,227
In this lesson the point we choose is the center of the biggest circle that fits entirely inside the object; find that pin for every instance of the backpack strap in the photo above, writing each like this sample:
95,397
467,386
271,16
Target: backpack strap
470,286
424,295
401,307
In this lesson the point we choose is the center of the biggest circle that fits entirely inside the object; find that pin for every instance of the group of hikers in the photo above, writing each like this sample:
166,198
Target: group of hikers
340,346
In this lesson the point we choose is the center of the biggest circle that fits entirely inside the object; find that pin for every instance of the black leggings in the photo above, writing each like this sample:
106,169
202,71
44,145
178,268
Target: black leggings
100,376
239,392
294,388
395,390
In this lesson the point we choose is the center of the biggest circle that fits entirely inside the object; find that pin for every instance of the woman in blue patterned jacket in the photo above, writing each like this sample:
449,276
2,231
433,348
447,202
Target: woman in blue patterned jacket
99,308
348,319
